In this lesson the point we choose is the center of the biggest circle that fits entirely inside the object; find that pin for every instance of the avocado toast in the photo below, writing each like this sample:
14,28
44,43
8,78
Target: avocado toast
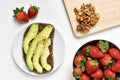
38,47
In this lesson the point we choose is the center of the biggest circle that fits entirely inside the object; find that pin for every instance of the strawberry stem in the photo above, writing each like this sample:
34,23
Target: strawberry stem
34,7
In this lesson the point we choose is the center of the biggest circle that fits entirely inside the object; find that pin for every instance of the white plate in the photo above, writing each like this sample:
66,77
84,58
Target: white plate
58,52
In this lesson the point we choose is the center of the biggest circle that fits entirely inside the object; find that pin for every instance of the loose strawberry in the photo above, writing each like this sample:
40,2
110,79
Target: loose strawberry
77,73
114,53
33,11
94,52
97,75
91,66
103,46
85,77
105,60
20,15
79,61
116,66
109,74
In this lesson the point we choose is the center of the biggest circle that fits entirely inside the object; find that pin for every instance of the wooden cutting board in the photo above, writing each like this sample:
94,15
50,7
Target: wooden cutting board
109,11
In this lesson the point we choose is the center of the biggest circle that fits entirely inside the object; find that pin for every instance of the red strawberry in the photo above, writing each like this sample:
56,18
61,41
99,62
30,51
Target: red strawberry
114,53
85,77
20,15
79,61
103,46
116,66
91,66
97,75
77,73
109,74
84,49
105,60
33,11
94,52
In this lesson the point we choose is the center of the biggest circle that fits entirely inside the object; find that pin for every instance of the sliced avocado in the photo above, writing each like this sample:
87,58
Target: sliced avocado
37,55
29,36
44,34
45,55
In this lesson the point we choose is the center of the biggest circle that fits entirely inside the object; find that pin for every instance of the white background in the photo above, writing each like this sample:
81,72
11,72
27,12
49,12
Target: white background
51,11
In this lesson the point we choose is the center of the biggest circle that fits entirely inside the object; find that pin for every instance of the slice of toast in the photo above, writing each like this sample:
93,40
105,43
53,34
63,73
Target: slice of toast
50,60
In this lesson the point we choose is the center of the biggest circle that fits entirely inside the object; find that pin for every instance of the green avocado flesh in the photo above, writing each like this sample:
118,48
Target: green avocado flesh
29,36
37,55
45,55
42,35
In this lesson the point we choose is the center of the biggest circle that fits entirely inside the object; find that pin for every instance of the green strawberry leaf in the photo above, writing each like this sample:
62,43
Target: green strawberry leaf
103,46
21,9
17,10
79,52
76,75
109,78
35,7
87,50
95,62
95,79
83,68
111,62
81,64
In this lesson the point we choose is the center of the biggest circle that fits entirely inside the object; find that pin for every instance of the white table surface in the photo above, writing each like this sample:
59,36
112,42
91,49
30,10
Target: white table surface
51,11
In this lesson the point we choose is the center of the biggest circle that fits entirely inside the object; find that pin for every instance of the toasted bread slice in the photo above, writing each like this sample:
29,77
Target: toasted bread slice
33,55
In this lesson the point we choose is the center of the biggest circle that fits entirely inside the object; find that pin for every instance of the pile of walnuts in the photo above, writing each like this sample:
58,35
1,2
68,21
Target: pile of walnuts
86,17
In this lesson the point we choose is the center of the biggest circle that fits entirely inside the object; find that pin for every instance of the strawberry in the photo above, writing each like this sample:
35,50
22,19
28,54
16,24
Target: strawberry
94,52
105,60
79,61
86,50
116,66
20,15
91,66
97,75
77,73
103,46
109,74
85,77
114,53
33,11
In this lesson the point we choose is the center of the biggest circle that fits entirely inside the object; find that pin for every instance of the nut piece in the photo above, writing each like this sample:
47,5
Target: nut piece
86,17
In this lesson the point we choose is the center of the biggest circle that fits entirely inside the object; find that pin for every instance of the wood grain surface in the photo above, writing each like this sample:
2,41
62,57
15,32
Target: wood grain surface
109,11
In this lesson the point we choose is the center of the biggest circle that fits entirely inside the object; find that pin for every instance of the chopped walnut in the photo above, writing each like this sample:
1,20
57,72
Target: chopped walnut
86,17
